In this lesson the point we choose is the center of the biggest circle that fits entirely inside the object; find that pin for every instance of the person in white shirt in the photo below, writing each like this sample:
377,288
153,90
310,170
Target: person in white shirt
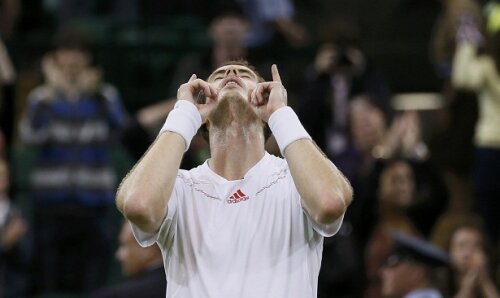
245,223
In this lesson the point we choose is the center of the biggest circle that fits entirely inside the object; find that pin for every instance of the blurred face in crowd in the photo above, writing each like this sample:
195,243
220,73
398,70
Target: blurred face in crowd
466,249
71,62
397,185
229,31
4,177
401,278
367,124
346,60
133,258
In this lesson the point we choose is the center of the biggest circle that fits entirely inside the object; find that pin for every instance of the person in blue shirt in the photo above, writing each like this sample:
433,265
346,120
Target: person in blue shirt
71,121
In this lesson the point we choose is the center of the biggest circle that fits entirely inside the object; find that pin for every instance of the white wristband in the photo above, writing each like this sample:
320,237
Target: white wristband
286,127
184,119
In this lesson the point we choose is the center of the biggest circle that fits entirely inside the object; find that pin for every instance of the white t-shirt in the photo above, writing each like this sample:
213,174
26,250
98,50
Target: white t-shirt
245,238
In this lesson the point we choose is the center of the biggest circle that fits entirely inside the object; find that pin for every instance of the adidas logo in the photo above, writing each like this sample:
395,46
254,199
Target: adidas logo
237,197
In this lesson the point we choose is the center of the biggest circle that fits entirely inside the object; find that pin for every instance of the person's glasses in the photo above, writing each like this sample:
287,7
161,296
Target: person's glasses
393,261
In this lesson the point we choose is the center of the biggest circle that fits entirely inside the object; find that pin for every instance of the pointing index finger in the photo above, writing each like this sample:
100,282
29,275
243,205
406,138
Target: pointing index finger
275,73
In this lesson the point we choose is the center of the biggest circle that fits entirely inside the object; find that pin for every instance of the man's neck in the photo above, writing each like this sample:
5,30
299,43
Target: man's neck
234,154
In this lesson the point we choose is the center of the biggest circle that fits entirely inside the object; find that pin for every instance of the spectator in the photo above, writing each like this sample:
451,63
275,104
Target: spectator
370,142
404,177
405,202
409,271
451,142
340,73
396,192
481,75
403,191
71,120
14,242
270,17
339,90
142,266
472,264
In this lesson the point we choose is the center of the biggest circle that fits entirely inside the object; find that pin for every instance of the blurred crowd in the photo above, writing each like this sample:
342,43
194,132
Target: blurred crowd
425,164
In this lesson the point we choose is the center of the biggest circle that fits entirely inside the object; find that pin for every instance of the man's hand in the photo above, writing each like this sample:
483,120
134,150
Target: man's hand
269,96
89,79
325,59
52,72
189,91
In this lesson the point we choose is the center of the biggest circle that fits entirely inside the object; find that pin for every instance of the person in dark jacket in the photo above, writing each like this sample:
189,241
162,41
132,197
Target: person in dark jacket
143,268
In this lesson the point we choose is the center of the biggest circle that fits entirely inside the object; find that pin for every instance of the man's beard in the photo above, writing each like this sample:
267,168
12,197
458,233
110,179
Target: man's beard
234,115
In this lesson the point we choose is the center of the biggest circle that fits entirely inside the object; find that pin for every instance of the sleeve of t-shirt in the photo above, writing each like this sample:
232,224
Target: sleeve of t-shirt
325,230
168,225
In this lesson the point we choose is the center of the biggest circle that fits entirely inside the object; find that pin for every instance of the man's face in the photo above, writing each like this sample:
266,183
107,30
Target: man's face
367,124
72,62
400,279
229,31
233,79
397,185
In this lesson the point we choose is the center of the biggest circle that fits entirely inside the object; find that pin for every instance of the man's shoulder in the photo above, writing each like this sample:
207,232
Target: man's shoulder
194,173
270,164
274,162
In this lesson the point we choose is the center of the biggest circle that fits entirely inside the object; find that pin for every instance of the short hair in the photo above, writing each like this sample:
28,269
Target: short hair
200,98
241,62
73,38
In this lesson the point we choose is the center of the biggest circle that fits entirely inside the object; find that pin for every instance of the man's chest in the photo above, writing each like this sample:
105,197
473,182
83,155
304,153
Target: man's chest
241,214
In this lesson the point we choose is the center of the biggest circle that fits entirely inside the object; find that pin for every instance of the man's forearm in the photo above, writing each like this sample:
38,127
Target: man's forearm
144,193
325,191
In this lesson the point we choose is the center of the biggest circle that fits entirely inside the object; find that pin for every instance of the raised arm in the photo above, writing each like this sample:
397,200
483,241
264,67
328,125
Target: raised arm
468,69
325,191
144,193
